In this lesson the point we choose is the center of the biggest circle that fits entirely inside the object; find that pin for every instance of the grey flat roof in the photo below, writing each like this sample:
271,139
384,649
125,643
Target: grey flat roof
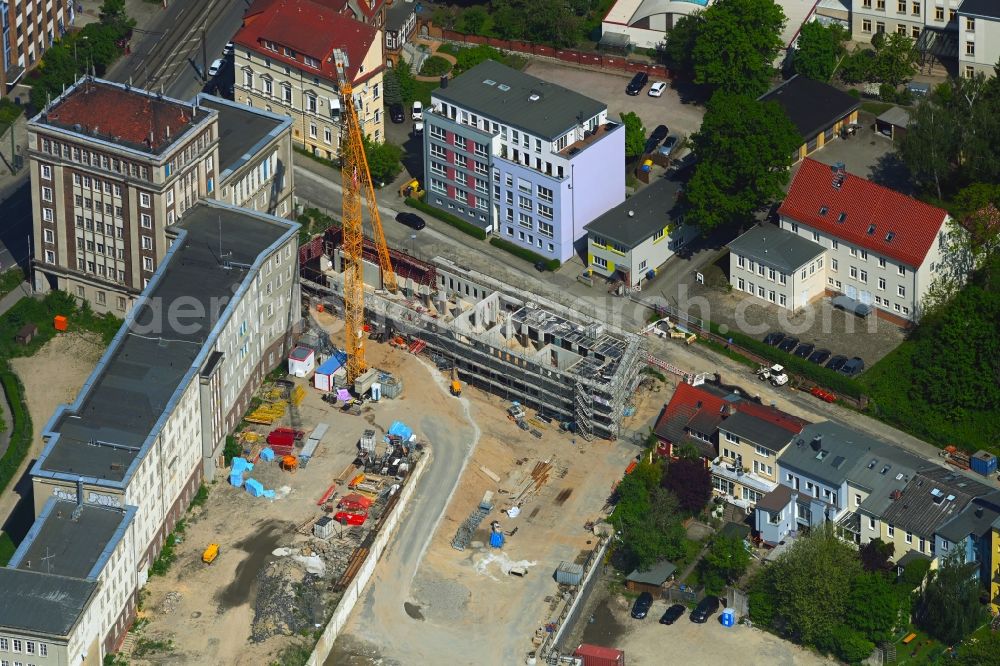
653,207
241,128
986,8
32,601
757,431
897,116
556,110
655,575
65,544
101,434
777,248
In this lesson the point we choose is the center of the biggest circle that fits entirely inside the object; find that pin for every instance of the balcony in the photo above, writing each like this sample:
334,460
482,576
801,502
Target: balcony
731,473
589,138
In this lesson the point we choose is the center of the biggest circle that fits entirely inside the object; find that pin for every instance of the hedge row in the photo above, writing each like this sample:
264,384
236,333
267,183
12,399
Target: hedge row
20,434
829,379
448,218
525,253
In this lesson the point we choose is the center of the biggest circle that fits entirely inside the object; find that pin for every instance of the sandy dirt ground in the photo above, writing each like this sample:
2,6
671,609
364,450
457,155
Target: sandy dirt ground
208,612
463,607
53,376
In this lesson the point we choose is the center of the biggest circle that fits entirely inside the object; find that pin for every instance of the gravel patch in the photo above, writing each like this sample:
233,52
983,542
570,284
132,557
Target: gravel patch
440,600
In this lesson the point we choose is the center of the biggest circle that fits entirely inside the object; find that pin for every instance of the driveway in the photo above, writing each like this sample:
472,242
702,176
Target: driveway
682,118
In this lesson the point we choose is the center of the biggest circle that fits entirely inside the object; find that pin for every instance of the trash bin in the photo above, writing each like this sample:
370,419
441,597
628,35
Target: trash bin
728,617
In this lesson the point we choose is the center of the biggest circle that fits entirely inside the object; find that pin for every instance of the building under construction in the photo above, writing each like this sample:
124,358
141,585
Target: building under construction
536,352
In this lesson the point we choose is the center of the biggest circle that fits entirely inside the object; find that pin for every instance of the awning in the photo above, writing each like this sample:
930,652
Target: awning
852,305
614,40
14,74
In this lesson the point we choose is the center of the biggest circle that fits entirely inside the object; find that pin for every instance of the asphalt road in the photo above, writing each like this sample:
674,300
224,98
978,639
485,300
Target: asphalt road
15,231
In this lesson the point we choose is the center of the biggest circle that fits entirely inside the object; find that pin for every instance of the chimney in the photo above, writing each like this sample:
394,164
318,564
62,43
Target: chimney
816,443
168,131
444,80
79,492
979,512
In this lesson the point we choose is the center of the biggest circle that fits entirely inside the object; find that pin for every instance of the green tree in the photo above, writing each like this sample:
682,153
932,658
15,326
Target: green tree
113,14
981,652
873,606
856,67
646,518
744,150
680,43
384,161
812,581
895,58
551,22
726,560
875,555
473,21
948,607
445,17
819,51
930,144
913,574
848,644
635,135
390,83
737,45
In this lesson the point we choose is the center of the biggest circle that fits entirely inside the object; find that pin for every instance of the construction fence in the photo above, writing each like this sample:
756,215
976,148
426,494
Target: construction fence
587,59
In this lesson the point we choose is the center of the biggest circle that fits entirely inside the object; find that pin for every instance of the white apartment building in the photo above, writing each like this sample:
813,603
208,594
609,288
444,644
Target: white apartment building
285,64
113,168
191,352
978,37
777,266
881,248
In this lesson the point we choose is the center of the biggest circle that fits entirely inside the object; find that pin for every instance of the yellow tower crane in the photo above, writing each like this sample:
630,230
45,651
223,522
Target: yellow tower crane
357,182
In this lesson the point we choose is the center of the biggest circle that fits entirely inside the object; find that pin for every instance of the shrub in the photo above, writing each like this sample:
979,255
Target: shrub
201,496
21,433
525,253
435,66
231,450
7,549
448,218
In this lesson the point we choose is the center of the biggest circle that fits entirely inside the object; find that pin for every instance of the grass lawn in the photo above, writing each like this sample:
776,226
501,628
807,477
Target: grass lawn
921,650
876,108
10,279
7,549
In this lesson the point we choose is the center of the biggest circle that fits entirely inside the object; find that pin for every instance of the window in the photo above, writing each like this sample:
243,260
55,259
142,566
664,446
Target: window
118,190
313,130
312,62
970,24
46,194
286,93
803,274
880,25
437,151
524,220
147,243
47,214
740,260
600,261
46,172
50,257
17,644
863,276
939,13
891,530
480,149
144,200
548,231
915,9
438,168
147,263
545,211
909,537
864,255
782,279
545,194
760,270
248,79
906,310
970,71
311,103
901,270
970,48
146,221
881,283
751,265
48,236
657,235
915,31
866,24
901,291
267,85
740,284
437,132
900,6
524,203
854,272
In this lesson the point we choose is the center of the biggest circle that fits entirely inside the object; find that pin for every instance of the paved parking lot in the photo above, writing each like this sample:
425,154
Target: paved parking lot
682,118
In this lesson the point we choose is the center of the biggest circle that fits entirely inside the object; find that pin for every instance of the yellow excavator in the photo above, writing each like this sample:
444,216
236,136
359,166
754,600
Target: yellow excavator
456,386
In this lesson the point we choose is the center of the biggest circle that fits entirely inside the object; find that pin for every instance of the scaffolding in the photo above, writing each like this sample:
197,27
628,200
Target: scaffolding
537,352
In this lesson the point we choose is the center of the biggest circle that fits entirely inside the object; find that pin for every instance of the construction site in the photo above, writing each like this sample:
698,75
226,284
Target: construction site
578,371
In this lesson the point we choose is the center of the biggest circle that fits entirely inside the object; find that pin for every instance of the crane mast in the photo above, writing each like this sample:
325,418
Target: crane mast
357,183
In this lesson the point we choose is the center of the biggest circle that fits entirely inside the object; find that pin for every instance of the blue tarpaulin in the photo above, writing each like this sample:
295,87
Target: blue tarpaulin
236,479
254,487
496,538
241,465
267,454
401,430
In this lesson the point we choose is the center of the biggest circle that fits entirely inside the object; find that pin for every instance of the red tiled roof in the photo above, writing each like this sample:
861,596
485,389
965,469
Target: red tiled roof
115,114
913,224
772,415
687,404
309,27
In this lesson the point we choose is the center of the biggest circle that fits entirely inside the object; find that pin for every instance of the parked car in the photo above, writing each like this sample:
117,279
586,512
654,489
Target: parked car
412,220
819,356
216,66
836,363
418,127
803,350
788,344
642,605
853,367
657,89
417,111
396,113
672,614
637,83
658,135
228,48
774,338
705,609
668,145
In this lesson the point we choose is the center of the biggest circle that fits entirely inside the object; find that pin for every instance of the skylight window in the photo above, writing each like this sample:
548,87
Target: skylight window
504,87
871,229
885,469
889,236
490,82
823,210
841,217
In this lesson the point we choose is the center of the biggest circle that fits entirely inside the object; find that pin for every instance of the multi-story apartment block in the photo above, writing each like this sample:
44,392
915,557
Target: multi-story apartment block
529,160
879,247
112,168
285,63
978,28
905,17
200,340
28,29
831,473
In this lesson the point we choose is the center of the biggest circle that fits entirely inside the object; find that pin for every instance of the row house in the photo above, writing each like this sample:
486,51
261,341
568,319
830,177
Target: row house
525,159
284,63
28,30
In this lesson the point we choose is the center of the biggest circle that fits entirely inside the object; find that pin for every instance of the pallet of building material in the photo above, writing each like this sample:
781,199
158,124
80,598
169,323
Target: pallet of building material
307,527
535,422
353,566
298,395
348,473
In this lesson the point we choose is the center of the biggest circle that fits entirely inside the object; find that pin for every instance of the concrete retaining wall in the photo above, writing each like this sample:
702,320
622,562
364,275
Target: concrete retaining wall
357,587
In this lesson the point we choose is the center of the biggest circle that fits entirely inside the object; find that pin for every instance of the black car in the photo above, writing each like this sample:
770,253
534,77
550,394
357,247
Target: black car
803,350
819,356
788,344
853,367
837,362
642,605
705,609
637,83
774,338
541,266
411,220
672,614
396,113
658,135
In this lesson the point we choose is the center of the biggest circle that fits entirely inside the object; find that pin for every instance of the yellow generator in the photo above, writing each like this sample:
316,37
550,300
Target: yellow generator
210,553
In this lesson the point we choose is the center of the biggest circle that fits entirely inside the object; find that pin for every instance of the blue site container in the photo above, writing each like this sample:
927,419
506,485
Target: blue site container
984,462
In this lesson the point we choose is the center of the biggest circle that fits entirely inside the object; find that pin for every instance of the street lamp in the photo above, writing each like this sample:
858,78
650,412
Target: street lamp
76,61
